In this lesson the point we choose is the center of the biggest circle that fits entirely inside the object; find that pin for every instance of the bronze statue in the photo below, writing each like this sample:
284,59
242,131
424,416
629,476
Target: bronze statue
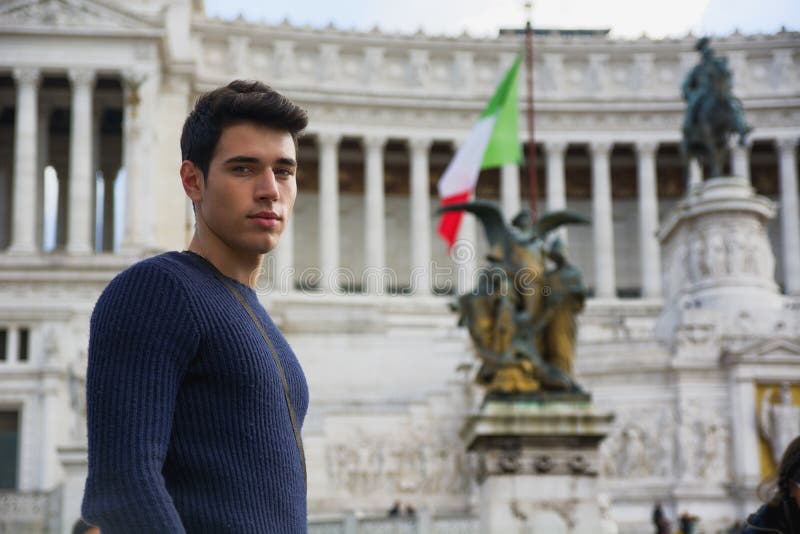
712,112
520,315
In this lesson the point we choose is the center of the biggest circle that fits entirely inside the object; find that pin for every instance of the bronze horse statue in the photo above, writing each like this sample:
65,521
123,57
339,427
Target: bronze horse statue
713,114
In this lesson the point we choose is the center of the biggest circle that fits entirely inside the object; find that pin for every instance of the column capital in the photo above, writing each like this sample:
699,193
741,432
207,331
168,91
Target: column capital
733,144
555,147
422,144
329,138
786,144
27,75
600,148
646,147
374,141
81,77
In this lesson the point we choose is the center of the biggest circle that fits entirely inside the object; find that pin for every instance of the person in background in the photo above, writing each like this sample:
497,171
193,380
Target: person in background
781,513
82,527
660,521
394,511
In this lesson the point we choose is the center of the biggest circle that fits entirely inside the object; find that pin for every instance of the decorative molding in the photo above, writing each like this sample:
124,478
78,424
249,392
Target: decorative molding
85,15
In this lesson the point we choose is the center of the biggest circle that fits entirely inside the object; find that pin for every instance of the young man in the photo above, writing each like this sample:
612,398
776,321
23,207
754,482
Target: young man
194,398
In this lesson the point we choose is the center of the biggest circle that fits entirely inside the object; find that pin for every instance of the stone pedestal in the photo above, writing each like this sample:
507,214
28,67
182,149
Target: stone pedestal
538,466
716,254
729,331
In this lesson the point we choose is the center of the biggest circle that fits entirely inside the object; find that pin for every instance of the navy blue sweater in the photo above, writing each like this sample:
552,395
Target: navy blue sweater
187,423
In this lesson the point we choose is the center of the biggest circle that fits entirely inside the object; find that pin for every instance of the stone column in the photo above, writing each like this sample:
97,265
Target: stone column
109,181
649,250
556,188
740,160
43,157
138,231
602,221
509,189
81,173
746,468
328,144
790,214
23,223
695,175
420,216
375,235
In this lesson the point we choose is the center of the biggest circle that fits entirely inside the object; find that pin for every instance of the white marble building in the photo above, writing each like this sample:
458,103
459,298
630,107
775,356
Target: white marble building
93,94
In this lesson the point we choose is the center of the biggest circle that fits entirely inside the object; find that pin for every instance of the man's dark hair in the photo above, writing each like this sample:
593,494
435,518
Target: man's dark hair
81,527
239,101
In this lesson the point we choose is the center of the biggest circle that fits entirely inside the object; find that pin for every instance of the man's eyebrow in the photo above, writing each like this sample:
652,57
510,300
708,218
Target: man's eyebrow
287,161
253,159
242,159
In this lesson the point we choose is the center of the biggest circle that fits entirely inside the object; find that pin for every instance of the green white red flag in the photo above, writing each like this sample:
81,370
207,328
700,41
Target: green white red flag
493,141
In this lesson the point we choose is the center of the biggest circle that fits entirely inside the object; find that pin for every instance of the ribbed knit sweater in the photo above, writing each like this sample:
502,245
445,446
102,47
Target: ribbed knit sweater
187,423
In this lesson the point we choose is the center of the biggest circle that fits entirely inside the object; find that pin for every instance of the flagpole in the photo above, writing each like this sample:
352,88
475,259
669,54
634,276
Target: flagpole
533,184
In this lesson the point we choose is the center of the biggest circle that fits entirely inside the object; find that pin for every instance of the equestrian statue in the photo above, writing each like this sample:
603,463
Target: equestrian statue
712,112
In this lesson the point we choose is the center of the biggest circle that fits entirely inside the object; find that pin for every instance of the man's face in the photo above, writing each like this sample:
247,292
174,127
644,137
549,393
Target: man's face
247,198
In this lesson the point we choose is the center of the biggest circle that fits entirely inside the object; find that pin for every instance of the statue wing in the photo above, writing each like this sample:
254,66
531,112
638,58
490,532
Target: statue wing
552,220
489,214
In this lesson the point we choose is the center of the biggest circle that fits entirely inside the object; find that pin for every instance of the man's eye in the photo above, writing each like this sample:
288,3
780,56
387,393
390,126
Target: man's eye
241,169
283,172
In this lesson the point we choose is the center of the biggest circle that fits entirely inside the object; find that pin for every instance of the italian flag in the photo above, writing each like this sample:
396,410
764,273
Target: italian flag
493,142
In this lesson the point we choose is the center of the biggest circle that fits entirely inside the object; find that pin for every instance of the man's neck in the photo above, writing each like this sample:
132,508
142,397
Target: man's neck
242,268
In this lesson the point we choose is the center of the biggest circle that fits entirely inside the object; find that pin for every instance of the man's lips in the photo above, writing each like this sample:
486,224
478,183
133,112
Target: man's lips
265,219
265,215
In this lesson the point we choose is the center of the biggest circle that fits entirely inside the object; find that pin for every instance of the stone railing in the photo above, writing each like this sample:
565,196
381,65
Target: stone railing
29,513
422,523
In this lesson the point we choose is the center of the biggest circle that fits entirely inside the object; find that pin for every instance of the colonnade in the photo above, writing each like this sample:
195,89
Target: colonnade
31,146
555,152
28,140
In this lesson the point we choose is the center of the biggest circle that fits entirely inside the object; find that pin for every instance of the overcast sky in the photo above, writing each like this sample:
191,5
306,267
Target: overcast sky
625,18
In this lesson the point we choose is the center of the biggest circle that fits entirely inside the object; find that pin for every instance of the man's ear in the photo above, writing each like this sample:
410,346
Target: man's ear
193,181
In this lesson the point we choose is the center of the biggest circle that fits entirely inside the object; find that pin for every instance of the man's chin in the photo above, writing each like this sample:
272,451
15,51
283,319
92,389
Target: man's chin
267,246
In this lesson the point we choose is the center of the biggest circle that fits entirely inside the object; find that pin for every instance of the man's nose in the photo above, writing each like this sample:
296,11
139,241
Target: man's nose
267,186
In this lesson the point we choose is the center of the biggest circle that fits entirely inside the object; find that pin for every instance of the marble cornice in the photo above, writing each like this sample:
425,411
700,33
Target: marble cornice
219,29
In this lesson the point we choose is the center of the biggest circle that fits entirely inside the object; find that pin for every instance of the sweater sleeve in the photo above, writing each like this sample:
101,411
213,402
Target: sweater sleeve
142,338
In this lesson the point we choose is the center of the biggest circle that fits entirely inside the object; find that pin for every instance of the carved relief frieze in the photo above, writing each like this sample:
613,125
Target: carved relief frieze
283,59
419,68
463,71
328,63
237,55
724,250
373,64
641,445
782,71
415,462
642,74
704,447
552,74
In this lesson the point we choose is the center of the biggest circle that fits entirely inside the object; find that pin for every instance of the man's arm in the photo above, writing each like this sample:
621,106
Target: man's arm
143,336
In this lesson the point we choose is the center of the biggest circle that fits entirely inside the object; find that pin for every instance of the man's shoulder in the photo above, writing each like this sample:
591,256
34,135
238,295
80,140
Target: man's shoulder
167,271
167,264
